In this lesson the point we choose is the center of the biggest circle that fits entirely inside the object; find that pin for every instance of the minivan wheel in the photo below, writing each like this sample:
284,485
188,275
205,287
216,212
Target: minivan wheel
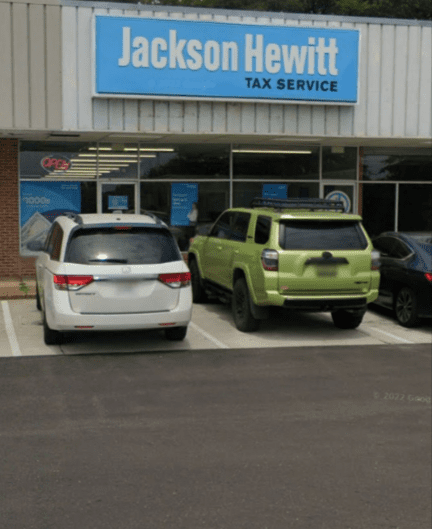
243,318
198,294
38,303
176,333
51,337
345,319
406,307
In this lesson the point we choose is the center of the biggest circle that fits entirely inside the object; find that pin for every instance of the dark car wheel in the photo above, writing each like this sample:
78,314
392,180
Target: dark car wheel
38,303
406,307
345,319
176,333
51,337
198,294
243,318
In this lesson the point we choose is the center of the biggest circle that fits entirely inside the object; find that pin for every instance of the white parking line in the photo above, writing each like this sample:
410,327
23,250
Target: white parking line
10,331
208,336
392,335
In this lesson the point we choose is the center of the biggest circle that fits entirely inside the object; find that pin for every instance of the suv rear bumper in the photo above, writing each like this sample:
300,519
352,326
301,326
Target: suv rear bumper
325,305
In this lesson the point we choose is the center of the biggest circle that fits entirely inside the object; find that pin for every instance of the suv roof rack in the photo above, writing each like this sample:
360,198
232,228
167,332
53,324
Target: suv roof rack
298,203
72,215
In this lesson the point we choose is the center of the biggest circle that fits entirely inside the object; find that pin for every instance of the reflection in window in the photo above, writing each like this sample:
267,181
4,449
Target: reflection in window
378,208
397,165
339,165
276,164
245,192
40,159
415,207
184,162
117,160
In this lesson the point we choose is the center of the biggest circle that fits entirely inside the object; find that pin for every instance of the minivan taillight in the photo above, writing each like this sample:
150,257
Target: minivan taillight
270,260
375,260
176,280
66,282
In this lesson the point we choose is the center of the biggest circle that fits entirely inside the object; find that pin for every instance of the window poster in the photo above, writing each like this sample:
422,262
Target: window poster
184,204
40,204
275,191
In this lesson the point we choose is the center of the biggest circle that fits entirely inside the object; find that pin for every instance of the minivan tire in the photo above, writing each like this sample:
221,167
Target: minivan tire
344,319
51,337
241,307
176,333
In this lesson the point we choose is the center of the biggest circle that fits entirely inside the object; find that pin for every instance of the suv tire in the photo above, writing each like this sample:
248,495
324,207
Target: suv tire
51,337
345,319
406,307
176,333
198,294
241,307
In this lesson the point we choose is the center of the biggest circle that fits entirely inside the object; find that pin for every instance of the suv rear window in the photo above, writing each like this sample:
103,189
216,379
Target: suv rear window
321,235
134,245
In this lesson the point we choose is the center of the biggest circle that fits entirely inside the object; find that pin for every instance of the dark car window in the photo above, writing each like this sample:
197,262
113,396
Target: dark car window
240,227
223,226
56,245
108,246
262,229
391,247
321,235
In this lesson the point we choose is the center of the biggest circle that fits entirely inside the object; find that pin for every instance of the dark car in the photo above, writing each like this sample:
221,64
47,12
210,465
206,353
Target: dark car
406,275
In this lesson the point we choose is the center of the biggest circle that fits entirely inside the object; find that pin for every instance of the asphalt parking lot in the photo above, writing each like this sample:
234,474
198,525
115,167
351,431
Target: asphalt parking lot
212,327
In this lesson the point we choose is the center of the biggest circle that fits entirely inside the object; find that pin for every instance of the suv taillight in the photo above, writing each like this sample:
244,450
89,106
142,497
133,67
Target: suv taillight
177,280
71,282
270,260
428,276
375,261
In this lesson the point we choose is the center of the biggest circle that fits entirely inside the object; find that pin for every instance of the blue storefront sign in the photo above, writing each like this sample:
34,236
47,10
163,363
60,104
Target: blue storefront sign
193,59
41,203
275,190
184,200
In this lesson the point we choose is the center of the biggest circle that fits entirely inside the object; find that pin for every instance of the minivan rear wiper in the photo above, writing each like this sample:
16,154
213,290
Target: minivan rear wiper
121,261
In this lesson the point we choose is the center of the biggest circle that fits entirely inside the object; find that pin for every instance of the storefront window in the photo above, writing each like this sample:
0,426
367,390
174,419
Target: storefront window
401,165
378,207
415,207
184,162
117,160
43,160
207,200
279,163
339,163
245,192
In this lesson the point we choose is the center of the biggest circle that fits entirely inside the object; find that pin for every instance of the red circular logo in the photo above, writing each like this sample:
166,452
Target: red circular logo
53,163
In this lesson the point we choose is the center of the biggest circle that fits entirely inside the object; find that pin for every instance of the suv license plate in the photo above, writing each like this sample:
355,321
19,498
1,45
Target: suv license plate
327,271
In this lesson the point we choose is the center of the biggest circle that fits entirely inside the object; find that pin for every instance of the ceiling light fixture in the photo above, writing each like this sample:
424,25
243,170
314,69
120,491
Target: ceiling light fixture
262,151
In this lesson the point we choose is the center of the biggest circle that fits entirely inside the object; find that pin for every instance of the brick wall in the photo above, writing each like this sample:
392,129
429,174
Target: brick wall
12,265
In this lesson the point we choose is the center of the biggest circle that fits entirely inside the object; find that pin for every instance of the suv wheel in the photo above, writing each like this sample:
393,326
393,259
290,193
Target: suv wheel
406,307
198,294
345,319
51,337
243,318
176,333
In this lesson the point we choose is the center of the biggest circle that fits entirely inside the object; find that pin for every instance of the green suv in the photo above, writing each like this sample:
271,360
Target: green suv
298,254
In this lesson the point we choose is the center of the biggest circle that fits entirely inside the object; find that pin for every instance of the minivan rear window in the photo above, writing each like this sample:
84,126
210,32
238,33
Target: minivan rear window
135,245
321,235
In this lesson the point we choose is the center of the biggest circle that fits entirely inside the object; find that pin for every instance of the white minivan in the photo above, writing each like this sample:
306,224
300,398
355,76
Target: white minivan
112,272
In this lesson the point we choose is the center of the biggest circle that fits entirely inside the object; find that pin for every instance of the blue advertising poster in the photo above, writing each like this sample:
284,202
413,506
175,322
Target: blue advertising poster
151,57
184,200
117,202
41,203
275,191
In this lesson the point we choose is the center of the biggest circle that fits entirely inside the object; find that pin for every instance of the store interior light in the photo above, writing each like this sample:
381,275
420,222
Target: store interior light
269,151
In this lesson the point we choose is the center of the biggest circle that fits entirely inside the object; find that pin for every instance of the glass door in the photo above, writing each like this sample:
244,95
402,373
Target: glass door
118,197
343,191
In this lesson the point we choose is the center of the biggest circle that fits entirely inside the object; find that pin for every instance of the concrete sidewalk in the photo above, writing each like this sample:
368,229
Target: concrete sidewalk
11,288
